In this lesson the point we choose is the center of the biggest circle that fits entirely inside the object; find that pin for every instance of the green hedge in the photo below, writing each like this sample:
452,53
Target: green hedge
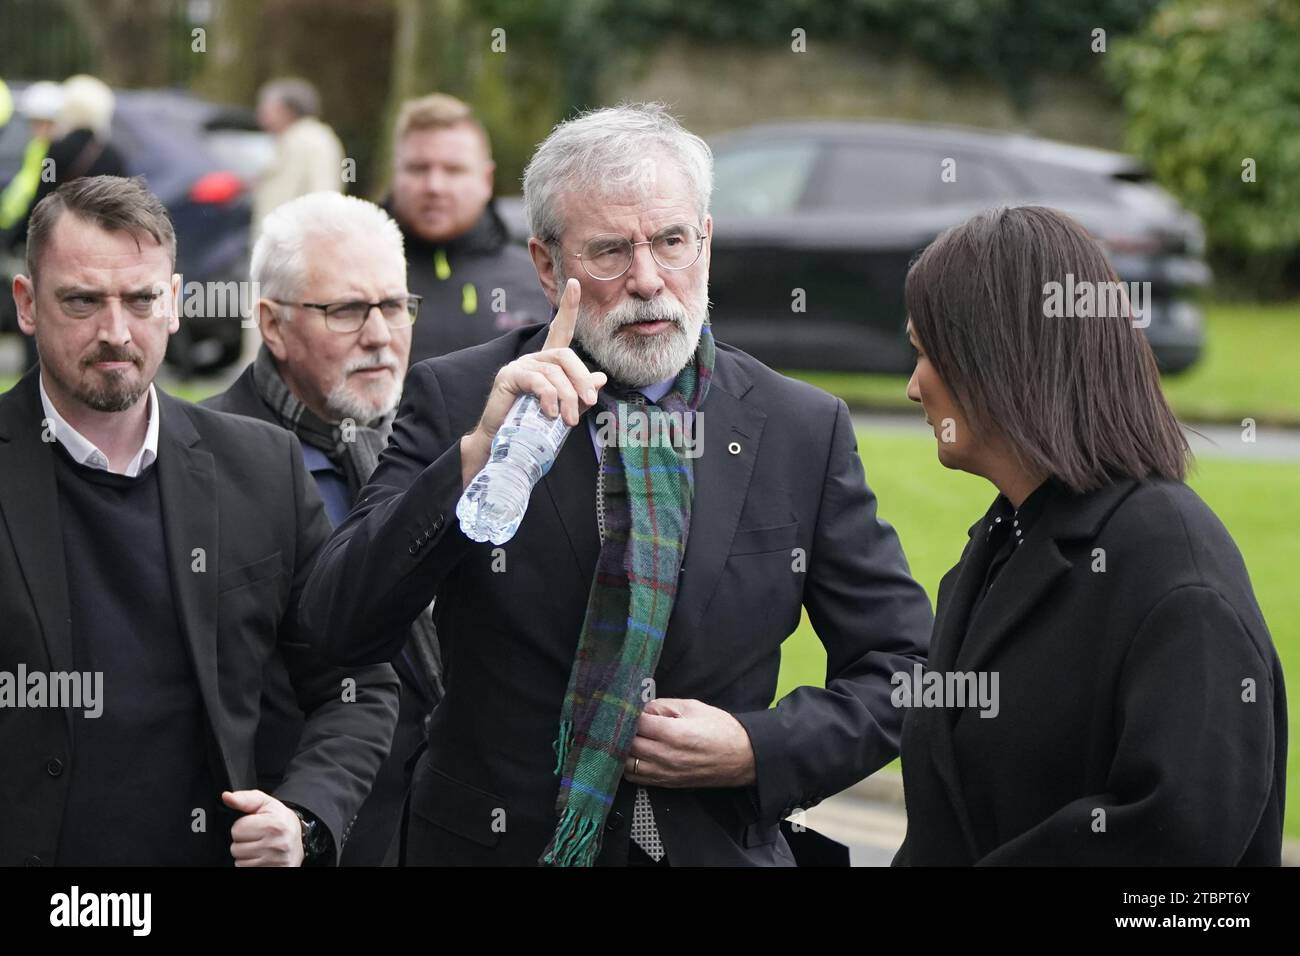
1208,85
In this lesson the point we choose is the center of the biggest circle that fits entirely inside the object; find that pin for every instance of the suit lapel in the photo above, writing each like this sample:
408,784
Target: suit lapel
956,594
30,506
571,489
1027,578
187,487
730,431
1016,591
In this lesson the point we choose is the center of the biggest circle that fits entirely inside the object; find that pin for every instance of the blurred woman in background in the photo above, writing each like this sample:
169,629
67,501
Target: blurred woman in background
1140,714
79,116
84,145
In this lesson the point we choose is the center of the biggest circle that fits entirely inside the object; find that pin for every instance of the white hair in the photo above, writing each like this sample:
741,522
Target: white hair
87,104
280,257
609,152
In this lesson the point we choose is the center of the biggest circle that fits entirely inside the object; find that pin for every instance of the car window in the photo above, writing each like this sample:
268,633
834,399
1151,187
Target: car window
761,180
1065,182
871,177
975,180
247,153
885,177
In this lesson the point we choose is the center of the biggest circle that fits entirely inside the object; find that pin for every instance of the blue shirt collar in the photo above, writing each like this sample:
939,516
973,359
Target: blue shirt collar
658,390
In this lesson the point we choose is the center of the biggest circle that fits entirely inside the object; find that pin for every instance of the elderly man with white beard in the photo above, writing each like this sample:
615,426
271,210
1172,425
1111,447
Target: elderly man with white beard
335,316
611,669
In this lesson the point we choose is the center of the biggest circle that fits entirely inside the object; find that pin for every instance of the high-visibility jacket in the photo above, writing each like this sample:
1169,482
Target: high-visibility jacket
21,190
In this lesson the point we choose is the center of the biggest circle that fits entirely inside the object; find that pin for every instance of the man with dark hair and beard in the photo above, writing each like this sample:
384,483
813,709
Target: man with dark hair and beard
155,550
609,671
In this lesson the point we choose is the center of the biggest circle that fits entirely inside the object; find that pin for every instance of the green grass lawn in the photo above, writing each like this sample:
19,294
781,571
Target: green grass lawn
189,392
932,507
1248,371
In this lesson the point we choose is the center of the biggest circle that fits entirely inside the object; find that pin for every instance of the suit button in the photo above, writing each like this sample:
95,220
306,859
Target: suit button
54,766
32,860
615,821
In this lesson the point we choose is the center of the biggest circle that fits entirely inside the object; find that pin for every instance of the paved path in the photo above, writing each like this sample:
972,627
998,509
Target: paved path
870,819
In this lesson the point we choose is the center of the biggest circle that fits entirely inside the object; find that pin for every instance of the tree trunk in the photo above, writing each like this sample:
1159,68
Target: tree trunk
136,42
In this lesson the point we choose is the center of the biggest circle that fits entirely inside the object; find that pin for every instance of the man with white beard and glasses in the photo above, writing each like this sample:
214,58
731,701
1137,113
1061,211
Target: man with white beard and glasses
335,317
609,682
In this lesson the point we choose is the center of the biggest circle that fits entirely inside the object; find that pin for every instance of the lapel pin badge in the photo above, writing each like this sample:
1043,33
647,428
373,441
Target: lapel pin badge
734,448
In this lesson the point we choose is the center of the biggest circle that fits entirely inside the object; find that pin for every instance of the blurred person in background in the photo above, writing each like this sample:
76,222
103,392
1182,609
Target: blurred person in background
81,146
336,330
475,283
308,156
39,105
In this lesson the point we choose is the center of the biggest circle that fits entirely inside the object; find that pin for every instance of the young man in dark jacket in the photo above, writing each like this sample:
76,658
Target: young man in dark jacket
476,284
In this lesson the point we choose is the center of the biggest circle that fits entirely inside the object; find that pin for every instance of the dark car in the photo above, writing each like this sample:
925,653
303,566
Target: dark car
839,210
200,159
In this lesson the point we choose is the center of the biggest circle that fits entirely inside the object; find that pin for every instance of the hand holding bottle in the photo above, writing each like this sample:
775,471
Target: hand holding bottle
555,375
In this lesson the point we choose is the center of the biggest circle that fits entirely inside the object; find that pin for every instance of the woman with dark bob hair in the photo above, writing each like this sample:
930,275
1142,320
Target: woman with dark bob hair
1137,713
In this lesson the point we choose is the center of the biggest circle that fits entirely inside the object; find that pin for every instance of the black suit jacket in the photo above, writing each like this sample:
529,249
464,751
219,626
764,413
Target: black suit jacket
790,487
282,719
237,489
1122,736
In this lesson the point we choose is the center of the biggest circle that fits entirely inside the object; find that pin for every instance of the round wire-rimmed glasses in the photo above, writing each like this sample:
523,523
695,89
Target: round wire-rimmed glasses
609,255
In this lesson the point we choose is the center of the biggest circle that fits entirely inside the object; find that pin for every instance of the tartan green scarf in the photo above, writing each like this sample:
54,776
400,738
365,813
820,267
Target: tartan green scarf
648,487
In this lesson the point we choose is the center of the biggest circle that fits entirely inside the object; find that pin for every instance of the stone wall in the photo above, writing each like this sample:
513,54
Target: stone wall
715,88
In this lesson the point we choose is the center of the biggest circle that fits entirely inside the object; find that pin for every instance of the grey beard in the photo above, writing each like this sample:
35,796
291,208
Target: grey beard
342,403
633,361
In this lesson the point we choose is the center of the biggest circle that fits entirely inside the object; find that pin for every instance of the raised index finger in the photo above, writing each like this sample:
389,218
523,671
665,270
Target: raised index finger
561,332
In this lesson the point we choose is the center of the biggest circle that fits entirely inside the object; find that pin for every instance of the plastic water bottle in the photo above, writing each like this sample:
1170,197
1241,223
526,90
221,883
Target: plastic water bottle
523,450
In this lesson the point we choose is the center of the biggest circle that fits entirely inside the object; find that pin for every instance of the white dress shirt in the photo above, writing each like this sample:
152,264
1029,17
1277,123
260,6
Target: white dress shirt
84,452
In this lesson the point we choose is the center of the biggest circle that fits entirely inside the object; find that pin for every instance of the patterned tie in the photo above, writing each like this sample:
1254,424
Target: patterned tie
645,833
